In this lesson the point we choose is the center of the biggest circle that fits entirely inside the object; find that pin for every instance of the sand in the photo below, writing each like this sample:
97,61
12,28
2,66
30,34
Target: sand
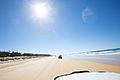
48,68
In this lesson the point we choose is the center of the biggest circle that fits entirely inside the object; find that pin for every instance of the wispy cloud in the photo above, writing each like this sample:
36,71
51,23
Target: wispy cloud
87,15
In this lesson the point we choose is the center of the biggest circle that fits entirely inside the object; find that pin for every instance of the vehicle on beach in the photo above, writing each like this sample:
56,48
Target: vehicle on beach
60,57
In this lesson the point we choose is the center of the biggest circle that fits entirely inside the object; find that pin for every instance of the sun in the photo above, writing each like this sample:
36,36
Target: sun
40,10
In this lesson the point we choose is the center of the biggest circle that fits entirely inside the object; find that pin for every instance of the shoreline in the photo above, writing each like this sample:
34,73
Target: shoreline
50,67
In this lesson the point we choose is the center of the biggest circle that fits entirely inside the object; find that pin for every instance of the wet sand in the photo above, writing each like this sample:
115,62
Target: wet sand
48,68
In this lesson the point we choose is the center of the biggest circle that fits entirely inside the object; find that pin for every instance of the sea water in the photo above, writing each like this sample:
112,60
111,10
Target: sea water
109,58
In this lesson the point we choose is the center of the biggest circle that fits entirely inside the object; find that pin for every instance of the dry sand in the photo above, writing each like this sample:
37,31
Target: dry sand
48,68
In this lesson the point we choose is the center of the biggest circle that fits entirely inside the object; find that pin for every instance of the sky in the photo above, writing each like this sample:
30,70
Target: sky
59,26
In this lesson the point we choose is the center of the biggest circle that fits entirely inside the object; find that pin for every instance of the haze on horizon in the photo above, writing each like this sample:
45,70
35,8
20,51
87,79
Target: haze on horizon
61,26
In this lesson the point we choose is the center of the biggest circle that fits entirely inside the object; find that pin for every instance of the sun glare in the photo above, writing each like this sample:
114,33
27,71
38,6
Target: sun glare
40,10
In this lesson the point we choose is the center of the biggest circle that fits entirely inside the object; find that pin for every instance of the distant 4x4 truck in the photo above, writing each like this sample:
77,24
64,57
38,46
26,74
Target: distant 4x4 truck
60,57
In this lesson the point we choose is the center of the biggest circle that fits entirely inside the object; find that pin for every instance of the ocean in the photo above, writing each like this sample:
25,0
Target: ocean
109,58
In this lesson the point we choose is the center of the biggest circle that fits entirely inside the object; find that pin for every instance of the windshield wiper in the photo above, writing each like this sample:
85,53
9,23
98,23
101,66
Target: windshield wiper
74,72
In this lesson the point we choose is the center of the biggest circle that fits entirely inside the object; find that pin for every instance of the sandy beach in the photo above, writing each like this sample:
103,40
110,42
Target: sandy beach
48,68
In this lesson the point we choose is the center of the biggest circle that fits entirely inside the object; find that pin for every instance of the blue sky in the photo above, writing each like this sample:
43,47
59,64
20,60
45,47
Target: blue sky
74,26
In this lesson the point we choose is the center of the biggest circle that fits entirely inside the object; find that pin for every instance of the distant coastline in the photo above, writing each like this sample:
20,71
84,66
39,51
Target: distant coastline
5,56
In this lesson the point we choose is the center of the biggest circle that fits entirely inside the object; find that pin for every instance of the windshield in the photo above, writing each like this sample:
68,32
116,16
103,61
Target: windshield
48,39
